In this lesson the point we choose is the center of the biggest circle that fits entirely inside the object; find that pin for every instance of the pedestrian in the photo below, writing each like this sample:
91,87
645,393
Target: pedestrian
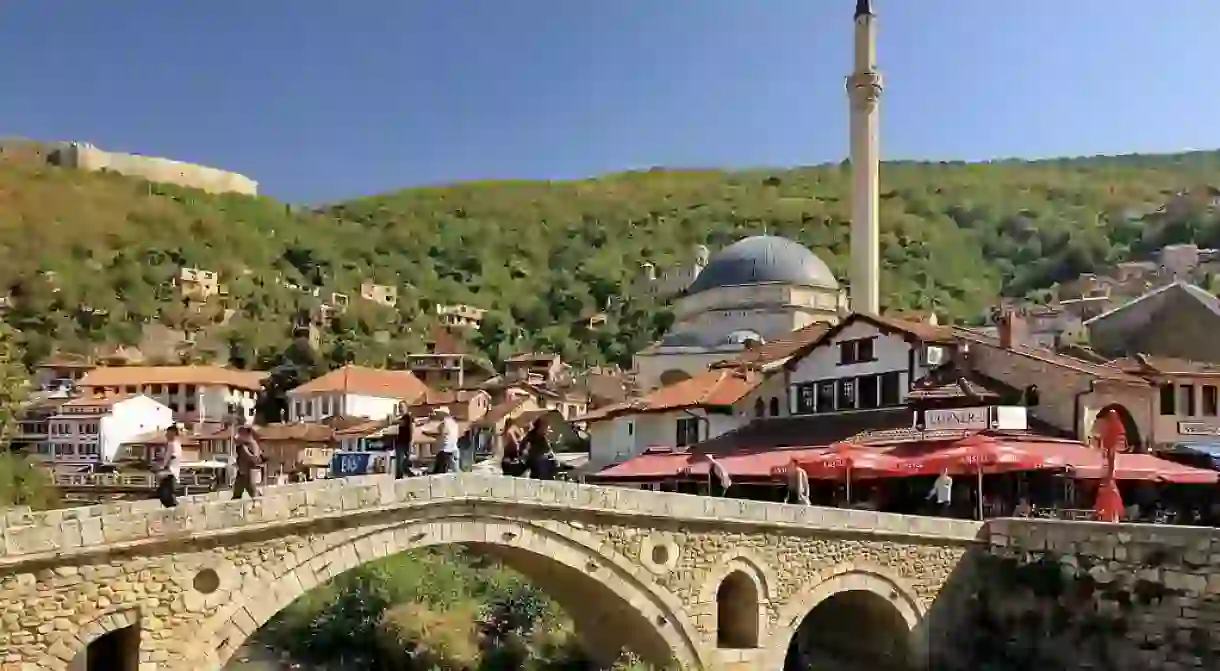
512,464
446,459
249,457
402,446
942,493
538,456
798,484
168,467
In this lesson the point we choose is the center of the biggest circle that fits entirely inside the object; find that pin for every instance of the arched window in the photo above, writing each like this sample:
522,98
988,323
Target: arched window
737,612
775,406
759,408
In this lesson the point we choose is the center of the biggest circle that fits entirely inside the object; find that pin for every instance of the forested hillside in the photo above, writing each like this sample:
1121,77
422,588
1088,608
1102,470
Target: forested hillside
88,258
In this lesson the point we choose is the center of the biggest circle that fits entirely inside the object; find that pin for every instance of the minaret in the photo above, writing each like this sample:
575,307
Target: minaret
864,92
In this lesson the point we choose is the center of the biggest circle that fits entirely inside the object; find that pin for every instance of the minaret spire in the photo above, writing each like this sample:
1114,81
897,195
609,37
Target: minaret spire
864,88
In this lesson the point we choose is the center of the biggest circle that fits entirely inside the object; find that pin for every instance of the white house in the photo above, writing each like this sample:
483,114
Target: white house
866,362
355,391
196,394
677,415
90,430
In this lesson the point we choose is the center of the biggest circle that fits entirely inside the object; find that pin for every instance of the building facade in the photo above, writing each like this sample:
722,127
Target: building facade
89,431
196,394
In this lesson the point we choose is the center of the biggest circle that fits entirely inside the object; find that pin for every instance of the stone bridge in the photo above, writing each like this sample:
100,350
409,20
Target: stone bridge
683,581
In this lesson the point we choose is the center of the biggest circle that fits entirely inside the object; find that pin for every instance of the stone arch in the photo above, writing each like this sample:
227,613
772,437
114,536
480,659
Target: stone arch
604,593
1131,428
741,565
75,650
673,376
874,591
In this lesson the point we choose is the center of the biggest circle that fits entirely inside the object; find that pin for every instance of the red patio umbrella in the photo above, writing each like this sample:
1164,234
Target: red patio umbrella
847,459
980,454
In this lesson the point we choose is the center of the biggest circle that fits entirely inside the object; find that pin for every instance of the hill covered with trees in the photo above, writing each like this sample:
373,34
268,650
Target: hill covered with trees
90,258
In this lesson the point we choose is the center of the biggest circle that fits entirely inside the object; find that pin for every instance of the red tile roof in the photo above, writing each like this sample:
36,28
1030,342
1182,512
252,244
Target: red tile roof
720,387
1100,371
1143,364
924,332
400,384
776,350
130,376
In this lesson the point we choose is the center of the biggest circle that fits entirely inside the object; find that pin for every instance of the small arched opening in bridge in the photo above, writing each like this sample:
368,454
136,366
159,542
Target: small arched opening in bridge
673,376
852,621
737,612
611,607
1131,430
115,650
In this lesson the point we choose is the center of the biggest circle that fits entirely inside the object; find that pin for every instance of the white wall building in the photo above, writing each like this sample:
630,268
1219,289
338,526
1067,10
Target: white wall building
355,391
864,363
89,431
196,394
678,415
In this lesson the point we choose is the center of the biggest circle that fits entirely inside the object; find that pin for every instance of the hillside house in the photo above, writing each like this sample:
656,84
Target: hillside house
355,391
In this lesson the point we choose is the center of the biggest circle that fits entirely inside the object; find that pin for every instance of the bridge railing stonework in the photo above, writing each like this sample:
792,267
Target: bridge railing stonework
54,533
198,580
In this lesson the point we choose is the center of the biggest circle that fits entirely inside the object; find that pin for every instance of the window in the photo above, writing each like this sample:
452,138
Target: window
1209,400
325,406
758,408
864,350
891,388
1188,400
775,406
856,351
826,396
847,352
688,431
806,399
1167,400
866,392
847,394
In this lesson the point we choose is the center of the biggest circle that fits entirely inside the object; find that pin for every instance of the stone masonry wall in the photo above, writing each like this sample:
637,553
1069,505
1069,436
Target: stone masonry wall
199,579
1078,595
85,156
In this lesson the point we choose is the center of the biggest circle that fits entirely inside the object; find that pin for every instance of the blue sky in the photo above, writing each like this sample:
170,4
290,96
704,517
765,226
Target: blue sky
325,100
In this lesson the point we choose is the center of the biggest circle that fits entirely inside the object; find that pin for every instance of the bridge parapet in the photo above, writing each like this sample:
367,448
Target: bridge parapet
58,533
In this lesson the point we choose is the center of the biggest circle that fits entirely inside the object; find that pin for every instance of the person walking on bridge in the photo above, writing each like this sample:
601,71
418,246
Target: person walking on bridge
249,457
402,446
168,467
446,459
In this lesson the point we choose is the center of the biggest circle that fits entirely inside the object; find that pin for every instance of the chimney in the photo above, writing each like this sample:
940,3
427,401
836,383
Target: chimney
1013,330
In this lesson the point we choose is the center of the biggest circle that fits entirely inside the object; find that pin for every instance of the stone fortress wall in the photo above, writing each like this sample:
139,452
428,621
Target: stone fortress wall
85,156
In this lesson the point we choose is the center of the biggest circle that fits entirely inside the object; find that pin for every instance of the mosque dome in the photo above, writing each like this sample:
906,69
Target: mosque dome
764,259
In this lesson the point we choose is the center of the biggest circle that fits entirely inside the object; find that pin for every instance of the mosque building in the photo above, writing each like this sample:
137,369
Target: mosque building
765,287
757,290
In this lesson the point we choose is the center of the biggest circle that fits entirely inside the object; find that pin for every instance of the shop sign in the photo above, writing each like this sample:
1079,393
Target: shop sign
1198,429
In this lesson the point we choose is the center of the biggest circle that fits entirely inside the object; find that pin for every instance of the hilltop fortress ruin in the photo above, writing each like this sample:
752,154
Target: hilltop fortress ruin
85,156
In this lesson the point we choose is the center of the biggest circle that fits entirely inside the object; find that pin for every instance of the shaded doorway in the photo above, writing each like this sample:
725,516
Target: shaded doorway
118,650
856,630
737,612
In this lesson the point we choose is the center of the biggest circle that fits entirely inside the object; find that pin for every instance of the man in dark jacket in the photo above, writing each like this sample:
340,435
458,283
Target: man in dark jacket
402,446
249,457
